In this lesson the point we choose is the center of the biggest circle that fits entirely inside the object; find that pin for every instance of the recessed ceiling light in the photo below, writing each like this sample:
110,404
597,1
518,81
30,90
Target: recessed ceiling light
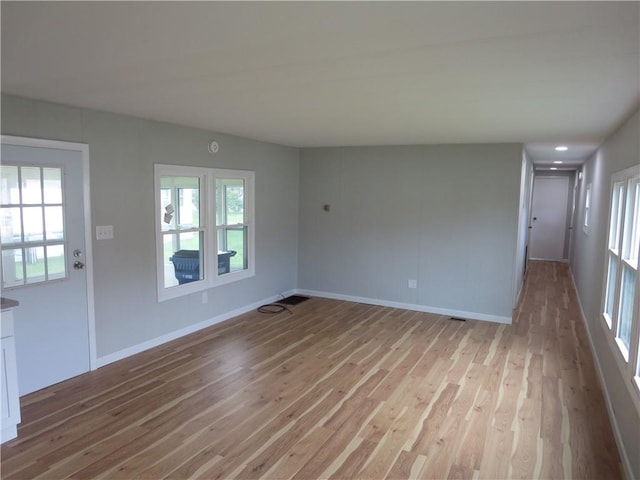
553,168
557,161
562,148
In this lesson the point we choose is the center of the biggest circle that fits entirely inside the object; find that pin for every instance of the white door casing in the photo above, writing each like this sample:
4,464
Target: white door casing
55,322
548,221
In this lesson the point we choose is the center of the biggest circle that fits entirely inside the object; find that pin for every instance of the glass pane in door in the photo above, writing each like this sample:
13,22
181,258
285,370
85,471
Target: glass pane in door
31,225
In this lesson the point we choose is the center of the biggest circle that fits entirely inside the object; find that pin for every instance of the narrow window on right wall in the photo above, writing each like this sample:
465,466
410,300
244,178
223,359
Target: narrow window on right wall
621,298
587,209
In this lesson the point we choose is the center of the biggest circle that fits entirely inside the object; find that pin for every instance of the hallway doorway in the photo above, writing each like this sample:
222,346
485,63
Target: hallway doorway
549,221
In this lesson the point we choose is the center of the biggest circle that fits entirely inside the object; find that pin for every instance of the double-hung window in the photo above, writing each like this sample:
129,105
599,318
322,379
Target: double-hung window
234,232
621,286
182,232
204,228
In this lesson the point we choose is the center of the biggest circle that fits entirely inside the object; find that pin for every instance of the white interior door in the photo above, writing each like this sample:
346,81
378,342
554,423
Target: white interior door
45,259
549,218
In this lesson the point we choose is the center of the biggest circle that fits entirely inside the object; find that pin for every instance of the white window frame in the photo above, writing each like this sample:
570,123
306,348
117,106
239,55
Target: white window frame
249,211
211,277
622,218
587,209
166,293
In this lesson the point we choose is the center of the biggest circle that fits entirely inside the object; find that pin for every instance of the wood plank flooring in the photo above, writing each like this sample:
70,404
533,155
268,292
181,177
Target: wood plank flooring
337,390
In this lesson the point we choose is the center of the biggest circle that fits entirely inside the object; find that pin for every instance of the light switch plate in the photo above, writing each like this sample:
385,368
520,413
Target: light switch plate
104,232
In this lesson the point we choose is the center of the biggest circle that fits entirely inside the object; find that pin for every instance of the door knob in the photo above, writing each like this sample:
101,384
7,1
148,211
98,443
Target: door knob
78,265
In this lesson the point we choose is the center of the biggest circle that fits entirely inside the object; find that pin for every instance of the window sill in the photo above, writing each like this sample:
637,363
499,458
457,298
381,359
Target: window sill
202,285
232,277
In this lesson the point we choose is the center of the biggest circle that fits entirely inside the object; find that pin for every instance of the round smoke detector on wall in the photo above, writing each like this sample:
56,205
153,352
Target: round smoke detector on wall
213,146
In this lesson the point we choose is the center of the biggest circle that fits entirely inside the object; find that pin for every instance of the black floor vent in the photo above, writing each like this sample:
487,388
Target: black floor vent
458,319
293,300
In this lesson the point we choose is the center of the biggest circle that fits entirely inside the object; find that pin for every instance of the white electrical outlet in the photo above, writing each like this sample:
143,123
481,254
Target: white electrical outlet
205,298
413,284
104,232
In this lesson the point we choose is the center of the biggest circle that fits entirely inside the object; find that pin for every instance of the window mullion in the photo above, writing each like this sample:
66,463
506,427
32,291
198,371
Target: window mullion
45,250
22,223
223,197
210,234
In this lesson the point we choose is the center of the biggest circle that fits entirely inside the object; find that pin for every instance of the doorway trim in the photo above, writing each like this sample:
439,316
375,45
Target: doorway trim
83,149
567,228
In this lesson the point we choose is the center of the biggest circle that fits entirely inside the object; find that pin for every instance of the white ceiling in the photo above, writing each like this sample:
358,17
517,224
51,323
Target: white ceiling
335,74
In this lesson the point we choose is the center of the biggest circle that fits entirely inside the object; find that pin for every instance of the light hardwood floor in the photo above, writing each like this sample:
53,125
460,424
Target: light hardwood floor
338,390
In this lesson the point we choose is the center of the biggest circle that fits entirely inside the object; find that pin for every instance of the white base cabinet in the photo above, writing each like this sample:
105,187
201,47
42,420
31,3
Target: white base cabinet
10,400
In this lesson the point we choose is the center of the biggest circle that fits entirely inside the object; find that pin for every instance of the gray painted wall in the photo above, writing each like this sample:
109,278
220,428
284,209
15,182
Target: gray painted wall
621,150
123,151
445,215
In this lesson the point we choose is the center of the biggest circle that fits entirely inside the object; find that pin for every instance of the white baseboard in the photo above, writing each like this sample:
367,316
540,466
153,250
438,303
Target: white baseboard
141,347
626,464
8,433
564,260
408,306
